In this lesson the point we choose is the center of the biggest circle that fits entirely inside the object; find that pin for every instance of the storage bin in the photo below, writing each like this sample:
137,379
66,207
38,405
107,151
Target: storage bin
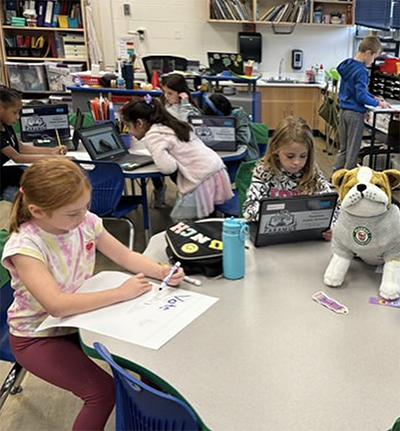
27,77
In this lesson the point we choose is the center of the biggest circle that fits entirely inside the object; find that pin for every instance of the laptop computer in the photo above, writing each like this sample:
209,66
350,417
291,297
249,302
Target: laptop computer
297,218
218,133
222,61
103,143
42,121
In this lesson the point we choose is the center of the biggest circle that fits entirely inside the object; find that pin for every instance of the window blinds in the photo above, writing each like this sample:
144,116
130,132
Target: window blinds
373,13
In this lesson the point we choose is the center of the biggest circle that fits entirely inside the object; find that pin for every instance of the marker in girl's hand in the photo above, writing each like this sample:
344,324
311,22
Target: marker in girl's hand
167,279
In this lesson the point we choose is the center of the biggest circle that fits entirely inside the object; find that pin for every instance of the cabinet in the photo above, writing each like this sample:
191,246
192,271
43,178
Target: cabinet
47,42
280,102
277,12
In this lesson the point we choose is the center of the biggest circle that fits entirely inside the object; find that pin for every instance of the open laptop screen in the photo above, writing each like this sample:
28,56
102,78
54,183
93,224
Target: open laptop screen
297,218
218,133
222,61
37,121
102,142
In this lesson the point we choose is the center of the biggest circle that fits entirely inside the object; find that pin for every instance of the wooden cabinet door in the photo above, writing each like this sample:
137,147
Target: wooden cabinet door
280,102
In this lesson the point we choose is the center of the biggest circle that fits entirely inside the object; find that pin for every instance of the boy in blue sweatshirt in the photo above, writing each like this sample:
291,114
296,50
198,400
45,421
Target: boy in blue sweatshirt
353,96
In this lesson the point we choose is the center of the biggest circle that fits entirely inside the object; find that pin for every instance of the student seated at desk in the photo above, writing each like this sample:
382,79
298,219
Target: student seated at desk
202,178
176,98
288,168
50,254
11,148
218,104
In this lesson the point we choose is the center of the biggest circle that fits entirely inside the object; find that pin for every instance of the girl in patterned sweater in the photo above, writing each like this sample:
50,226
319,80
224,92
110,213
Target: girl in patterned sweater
288,168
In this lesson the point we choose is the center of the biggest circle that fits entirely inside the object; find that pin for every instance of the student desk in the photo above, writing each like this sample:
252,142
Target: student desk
144,173
267,357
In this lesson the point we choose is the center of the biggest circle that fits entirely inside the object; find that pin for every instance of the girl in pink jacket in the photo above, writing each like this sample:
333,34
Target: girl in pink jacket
202,178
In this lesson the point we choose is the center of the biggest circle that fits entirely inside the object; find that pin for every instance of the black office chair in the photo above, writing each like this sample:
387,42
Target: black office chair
163,64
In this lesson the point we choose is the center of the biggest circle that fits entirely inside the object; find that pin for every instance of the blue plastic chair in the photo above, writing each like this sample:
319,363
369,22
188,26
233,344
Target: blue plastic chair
12,382
140,407
108,182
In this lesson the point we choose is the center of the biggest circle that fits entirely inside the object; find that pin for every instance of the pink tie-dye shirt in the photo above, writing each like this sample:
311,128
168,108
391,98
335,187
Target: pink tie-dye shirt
70,259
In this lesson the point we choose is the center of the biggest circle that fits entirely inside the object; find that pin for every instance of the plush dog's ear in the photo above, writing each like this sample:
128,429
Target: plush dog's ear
338,176
393,176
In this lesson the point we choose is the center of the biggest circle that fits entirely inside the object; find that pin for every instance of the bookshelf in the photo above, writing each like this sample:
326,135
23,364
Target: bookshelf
46,42
271,12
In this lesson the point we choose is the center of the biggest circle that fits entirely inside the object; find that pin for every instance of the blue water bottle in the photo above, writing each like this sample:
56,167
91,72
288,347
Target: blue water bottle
234,234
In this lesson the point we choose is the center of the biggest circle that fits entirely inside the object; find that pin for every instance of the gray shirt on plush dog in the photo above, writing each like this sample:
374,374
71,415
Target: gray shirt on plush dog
373,239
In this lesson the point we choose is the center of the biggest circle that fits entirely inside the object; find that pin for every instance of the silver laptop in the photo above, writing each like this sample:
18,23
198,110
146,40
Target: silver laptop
218,133
297,218
103,143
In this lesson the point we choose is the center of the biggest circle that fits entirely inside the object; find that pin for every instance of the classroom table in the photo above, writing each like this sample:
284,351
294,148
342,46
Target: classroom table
145,173
375,111
267,357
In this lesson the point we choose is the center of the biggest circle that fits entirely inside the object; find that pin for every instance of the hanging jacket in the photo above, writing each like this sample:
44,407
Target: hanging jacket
245,135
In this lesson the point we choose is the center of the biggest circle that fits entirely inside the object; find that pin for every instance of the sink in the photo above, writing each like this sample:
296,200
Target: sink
281,81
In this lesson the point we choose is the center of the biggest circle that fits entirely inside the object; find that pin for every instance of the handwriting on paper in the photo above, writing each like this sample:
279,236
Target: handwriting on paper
174,302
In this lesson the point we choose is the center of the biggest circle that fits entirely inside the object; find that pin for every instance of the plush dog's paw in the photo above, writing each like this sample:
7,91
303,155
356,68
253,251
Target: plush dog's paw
333,280
390,286
389,291
336,271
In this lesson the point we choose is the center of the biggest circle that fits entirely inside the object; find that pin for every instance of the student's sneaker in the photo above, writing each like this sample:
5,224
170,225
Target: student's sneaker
159,197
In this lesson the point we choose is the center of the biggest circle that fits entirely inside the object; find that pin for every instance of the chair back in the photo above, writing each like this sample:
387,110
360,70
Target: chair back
107,180
261,134
140,407
243,180
163,64
6,298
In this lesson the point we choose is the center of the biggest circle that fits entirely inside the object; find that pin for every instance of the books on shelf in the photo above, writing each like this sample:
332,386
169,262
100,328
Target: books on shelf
293,12
47,12
235,10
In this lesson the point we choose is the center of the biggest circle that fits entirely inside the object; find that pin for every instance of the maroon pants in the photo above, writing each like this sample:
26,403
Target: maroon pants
61,362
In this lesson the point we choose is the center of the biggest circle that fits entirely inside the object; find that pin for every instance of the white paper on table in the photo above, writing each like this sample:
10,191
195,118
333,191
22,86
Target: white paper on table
149,320
393,107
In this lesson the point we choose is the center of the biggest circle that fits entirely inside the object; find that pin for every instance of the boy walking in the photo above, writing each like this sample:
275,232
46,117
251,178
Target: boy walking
353,96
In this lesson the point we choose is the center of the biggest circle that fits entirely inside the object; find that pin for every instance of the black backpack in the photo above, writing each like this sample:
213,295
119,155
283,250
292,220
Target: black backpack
197,245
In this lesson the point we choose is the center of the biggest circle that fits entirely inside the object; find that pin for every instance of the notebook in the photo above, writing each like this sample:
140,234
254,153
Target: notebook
222,61
218,133
291,219
103,143
42,121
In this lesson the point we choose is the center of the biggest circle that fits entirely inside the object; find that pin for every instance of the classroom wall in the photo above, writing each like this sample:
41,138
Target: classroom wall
179,27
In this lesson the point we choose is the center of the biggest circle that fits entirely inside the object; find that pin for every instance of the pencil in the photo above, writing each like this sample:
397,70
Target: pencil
58,138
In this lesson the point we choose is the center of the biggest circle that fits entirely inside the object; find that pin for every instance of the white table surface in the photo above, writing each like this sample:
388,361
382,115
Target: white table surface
267,357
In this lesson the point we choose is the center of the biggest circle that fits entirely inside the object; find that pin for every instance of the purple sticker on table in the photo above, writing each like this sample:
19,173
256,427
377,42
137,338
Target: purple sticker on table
380,301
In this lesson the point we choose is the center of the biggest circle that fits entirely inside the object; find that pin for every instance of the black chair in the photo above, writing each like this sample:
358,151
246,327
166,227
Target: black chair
163,64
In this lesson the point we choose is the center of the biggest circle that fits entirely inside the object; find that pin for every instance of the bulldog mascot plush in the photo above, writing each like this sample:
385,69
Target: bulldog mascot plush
368,227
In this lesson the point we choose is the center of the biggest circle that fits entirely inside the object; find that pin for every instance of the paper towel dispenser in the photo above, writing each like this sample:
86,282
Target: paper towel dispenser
250,46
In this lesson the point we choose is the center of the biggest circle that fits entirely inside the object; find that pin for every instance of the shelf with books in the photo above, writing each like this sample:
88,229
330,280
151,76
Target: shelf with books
57,35
33,29
280,12
231,11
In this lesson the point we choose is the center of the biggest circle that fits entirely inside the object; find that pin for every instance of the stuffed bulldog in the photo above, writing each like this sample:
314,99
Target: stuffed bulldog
368,227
